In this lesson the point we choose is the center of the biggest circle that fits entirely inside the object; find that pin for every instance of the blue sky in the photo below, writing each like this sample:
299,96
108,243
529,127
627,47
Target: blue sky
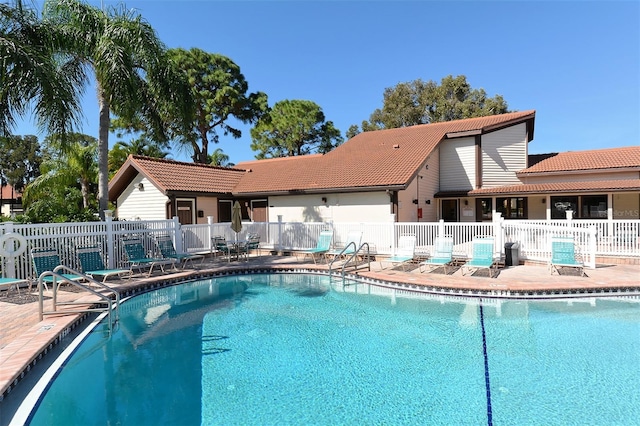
577,63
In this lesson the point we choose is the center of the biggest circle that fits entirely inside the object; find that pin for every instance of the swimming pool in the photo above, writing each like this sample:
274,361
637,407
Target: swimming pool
297,349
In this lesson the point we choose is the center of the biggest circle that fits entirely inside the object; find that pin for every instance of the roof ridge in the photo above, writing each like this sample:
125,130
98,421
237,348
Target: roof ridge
185,163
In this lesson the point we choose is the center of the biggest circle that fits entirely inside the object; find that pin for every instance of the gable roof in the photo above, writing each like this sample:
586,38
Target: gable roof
611,158
385,159
175,176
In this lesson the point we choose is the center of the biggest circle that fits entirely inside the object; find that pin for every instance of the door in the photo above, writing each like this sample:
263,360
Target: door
224,211
259,210
449,210
185,210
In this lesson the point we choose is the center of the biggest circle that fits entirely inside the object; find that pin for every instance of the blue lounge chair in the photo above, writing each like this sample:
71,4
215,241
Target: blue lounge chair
138,258
322,247
563,255
442,255
47,260
482,257
13,282
405,252
350,246
92,264
165,245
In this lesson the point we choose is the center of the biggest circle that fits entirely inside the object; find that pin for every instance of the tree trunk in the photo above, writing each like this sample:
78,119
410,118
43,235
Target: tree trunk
103,153
84,190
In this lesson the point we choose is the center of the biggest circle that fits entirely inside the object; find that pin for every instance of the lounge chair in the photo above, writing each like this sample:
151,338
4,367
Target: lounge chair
13,282
442,255
92,264
322,247
351,245
137,257
482,257
47,260
563,255
405,252
165,245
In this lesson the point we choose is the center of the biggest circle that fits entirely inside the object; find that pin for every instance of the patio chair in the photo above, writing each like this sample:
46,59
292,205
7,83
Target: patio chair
91,262
253,243
165,245
47,260
138,258
351,245
405,252
563,255
442,255
231,249
10,283
482,257
322,247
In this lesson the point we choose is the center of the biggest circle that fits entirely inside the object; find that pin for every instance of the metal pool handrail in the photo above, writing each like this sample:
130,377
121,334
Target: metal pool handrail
58,276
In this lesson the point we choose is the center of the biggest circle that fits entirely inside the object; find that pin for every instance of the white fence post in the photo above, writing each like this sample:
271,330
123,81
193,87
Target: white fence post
210,233
108,222
441,228
278,243
498,232
177,234
592,247
10,272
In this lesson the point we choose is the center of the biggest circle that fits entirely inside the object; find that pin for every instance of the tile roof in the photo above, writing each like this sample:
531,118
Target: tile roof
170,175
611,158
590,186
384,158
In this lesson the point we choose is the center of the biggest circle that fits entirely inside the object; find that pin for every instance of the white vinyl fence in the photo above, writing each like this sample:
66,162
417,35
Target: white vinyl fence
593,237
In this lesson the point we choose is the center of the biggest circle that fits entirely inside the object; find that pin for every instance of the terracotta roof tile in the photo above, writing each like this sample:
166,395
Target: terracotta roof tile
170,175
384,158
591,186
611,158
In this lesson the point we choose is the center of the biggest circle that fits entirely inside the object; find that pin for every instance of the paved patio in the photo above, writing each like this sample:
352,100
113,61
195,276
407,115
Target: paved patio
24,339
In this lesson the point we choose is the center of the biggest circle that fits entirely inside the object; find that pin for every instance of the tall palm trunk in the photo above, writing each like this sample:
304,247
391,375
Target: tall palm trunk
103,153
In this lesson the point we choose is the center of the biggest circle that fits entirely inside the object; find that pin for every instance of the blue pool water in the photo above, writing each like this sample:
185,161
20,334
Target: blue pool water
293,349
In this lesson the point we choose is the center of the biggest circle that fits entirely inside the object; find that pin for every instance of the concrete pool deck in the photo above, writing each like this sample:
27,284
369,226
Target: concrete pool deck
24,339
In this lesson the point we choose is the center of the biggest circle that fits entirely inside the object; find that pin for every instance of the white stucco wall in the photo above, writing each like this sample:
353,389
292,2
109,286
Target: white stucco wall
148,204
347,207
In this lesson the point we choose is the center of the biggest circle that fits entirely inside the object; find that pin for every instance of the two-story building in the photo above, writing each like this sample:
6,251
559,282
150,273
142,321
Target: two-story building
463,170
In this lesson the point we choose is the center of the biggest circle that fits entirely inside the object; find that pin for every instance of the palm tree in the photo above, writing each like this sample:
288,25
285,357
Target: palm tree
30,76
128,62
219,158
140,146
72,162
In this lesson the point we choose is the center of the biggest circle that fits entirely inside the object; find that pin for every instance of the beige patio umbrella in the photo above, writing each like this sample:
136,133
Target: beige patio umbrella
236,219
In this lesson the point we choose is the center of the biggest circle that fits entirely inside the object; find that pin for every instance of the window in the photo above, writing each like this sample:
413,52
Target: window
594,207
512,207
484,206
560,205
